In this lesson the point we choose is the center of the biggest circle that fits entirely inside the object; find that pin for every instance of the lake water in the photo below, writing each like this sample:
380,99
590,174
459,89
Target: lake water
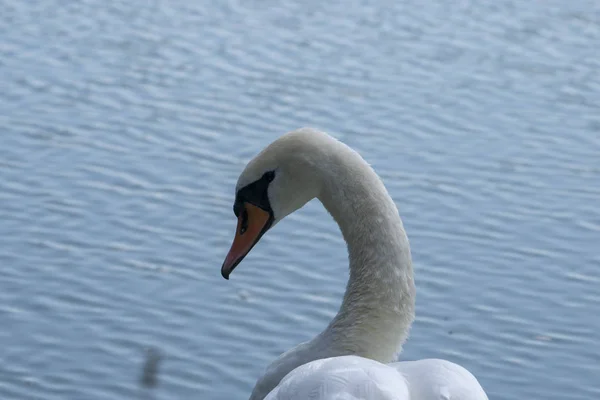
125,124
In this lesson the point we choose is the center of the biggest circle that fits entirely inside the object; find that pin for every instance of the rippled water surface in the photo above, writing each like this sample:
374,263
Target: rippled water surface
125,124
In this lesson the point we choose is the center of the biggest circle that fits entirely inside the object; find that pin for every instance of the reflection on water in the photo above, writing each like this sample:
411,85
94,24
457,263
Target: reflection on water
125,125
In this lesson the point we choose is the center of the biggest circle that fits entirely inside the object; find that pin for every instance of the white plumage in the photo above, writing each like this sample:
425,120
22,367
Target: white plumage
352,359
354,378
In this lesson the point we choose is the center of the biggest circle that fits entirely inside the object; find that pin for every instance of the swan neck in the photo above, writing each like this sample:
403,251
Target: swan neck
378,306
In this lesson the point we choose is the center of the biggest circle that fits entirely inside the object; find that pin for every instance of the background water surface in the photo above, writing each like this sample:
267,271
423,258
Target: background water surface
124,126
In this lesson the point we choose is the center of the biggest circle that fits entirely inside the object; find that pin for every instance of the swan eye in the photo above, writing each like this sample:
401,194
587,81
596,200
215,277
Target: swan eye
269,176
244,224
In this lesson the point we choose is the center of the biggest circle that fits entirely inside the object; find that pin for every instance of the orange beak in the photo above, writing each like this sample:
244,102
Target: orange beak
253,222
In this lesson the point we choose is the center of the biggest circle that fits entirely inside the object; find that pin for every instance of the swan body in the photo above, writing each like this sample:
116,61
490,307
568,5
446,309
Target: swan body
348,359
352,377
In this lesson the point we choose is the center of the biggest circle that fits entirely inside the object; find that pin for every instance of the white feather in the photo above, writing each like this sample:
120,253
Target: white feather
347,360
354,378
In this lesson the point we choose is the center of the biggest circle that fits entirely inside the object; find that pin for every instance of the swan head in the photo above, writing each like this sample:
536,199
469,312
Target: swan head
278,181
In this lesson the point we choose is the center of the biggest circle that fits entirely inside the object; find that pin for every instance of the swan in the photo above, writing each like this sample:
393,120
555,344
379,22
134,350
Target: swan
353,358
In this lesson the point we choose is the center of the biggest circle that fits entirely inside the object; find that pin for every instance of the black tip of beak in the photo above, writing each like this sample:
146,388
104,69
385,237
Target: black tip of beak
224,273
227,270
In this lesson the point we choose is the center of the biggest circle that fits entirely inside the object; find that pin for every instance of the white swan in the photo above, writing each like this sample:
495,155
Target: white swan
346,360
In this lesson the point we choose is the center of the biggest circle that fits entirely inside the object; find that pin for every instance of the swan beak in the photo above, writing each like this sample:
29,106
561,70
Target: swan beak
253,222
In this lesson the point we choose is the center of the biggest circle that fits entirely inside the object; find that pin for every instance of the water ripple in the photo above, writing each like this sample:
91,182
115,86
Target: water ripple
126,125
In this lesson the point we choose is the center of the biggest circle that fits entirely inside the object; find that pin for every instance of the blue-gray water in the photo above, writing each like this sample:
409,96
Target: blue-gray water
124,126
